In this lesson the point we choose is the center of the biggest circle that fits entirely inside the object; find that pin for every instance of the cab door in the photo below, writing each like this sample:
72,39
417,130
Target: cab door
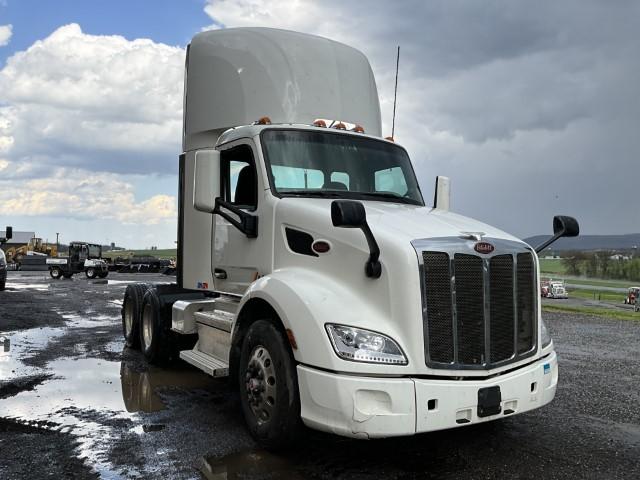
238,258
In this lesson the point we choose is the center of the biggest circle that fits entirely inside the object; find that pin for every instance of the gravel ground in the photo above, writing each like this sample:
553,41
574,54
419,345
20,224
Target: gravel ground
75,404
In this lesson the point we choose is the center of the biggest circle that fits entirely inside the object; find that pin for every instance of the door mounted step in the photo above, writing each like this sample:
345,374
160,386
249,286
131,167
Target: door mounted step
208,364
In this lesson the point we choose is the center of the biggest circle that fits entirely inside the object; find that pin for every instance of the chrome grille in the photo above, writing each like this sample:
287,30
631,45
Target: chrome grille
479,311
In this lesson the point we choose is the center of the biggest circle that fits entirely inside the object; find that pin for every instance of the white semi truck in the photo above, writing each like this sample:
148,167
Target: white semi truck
312,273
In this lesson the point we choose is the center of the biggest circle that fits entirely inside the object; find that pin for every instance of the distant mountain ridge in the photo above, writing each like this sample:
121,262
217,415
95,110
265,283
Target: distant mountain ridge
590,242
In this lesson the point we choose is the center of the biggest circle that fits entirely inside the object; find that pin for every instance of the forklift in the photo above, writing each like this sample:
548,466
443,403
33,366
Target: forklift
83,257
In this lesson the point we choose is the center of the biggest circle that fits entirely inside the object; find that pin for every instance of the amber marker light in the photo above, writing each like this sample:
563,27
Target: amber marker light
358,129
263,121
320,123
340,126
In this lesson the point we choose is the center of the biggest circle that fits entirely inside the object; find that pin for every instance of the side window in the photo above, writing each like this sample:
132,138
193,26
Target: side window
391,180
239,182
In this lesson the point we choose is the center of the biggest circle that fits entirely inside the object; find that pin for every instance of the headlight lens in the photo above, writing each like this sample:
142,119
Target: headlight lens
546,338
360,345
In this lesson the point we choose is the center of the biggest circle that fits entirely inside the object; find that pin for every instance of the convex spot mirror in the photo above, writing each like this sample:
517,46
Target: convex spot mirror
206,180
565,226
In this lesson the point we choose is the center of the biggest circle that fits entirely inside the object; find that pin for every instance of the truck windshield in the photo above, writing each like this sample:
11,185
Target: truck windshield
332,165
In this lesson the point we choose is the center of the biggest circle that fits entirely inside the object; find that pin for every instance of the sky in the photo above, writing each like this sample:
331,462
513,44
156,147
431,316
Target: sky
531,108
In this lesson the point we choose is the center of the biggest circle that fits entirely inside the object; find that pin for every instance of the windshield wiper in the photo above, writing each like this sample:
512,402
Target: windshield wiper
313,193
393,196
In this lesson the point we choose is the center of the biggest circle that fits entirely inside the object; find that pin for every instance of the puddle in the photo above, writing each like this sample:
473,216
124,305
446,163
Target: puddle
91,398
139,388
248,464
38,287
121,282
18,344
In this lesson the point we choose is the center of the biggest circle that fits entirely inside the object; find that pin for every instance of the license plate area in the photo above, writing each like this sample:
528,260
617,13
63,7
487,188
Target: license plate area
489,399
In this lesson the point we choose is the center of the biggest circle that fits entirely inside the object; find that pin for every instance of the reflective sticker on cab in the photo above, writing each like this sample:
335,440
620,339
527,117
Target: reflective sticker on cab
203,285
547,368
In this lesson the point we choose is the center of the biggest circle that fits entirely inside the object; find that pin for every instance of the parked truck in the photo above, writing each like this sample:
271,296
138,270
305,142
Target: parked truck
8,233
82,257
312,273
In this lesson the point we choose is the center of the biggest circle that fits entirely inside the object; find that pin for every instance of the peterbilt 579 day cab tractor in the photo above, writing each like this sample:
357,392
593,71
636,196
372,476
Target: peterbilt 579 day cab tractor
8,233
312,273
83,257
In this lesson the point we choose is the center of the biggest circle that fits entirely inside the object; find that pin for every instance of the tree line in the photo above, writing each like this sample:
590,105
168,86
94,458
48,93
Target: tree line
601,265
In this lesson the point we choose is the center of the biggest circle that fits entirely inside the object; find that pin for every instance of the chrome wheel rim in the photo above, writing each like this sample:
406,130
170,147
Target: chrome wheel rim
260,384
128,318
147,325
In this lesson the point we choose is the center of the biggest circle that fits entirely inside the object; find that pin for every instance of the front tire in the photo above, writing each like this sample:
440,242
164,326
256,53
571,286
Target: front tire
269,387
90,272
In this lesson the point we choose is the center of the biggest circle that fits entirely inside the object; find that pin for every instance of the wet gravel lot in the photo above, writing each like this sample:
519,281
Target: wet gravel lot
75,404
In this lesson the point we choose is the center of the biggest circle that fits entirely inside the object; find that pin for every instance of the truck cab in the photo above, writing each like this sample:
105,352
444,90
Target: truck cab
313,274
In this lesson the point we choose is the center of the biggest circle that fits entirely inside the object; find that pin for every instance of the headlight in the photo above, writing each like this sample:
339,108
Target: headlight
360,345
546,338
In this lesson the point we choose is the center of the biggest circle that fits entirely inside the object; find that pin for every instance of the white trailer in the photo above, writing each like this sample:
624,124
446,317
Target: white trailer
312,273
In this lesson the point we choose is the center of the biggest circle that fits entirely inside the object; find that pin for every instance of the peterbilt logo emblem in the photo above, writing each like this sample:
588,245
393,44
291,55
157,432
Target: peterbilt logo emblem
484,247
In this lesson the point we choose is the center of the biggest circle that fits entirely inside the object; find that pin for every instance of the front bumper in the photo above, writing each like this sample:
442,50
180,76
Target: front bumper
370,407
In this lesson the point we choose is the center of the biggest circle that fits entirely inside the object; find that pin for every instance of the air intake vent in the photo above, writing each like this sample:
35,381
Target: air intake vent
479,310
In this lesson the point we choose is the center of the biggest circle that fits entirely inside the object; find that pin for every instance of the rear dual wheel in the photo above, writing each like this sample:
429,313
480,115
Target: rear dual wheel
155,334
132,313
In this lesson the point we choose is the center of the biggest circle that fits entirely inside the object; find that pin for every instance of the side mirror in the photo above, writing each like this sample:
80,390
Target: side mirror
351,214
206,180
348,214
8,234
563,226
442,196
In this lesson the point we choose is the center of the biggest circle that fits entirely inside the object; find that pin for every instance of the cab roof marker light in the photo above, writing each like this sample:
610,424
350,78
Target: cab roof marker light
358,129
263,121
340,126
320,123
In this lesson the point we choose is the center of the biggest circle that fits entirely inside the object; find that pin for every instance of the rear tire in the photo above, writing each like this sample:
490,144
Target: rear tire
155,334
131,314
269,387
103,274
55,273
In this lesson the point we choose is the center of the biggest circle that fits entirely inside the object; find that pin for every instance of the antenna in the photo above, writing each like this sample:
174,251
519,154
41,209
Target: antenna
395,95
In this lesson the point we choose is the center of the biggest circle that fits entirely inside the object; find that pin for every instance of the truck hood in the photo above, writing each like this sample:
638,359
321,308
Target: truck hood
401,222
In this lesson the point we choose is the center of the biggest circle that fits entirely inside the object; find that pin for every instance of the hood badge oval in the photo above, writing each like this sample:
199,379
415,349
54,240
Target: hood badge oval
484,248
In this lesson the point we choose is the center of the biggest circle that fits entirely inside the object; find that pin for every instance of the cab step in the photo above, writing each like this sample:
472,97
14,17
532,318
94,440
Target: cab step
207,363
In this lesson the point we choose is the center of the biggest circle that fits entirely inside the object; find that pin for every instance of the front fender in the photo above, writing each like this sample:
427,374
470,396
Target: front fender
305,301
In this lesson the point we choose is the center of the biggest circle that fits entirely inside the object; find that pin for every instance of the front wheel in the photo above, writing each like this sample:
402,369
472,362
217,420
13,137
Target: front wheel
269,387
90,272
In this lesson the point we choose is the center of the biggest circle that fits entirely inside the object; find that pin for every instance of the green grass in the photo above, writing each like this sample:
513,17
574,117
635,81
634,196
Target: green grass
554,266
166,253
600,312
599,282
597,295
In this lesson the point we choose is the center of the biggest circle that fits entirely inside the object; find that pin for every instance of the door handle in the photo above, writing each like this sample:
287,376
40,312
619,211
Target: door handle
220,274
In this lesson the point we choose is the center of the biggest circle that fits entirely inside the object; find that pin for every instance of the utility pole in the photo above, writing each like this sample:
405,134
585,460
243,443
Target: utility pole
57,242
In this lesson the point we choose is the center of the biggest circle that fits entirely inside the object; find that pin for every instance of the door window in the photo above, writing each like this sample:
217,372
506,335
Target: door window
239,181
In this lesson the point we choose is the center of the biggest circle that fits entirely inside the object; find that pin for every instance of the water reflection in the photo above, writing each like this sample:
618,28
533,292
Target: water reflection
139,388
248,464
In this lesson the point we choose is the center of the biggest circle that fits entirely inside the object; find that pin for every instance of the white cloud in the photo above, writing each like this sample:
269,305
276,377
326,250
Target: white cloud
5,34
526,108
85,195
100,101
